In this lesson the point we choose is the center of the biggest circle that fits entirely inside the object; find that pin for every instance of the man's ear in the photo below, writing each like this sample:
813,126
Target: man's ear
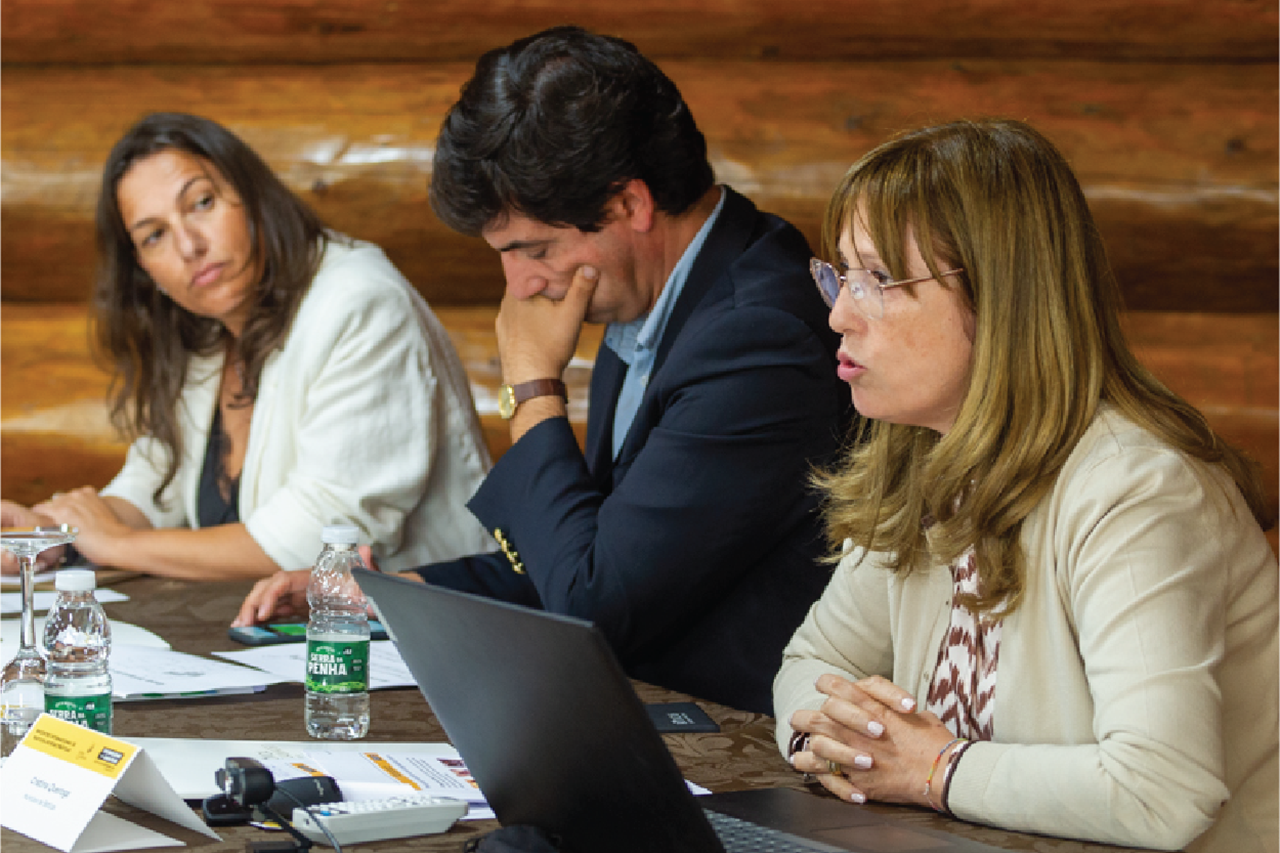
634,205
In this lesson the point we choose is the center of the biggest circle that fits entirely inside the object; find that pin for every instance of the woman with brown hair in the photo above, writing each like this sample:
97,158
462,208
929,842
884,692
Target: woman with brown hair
1054,609
274,376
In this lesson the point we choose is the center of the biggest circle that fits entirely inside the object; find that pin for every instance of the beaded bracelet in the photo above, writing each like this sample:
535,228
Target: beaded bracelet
946,777
928,782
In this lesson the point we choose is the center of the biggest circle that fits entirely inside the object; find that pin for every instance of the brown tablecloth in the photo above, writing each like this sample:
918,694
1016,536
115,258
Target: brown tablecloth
193,617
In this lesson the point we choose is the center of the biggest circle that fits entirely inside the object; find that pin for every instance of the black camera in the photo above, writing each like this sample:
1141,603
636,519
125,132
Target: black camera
250,792
245,781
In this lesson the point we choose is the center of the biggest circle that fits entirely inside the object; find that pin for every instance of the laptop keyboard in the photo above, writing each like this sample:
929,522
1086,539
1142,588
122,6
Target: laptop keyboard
742,836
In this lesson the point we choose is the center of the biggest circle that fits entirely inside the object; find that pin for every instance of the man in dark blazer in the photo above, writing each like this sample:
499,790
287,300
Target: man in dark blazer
687,530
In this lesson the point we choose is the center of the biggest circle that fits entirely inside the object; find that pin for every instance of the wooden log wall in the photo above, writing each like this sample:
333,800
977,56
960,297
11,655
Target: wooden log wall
1167,109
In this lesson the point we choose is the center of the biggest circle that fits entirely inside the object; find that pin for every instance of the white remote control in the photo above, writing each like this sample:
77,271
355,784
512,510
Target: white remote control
375,820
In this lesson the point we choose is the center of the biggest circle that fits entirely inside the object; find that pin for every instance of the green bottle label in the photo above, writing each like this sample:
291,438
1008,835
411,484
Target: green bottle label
337,666
92,712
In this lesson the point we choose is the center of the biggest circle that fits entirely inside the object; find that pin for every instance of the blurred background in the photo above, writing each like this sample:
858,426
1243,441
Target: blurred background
1167,110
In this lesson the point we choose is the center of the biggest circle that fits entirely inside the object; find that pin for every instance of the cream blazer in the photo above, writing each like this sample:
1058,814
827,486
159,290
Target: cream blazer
364,416
1136,694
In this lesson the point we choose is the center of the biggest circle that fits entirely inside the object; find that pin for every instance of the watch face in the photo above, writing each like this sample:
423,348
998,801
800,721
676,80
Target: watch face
506,402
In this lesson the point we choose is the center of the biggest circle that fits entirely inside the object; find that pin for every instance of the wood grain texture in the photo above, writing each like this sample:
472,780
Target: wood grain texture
54,432
1179,162
306,31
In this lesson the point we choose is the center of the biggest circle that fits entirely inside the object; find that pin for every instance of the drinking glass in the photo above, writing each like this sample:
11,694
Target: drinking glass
22,680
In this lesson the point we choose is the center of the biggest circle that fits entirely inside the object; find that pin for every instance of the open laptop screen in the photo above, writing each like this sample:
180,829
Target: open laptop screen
544,716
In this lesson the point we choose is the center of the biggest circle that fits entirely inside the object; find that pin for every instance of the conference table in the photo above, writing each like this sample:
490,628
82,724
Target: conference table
193,616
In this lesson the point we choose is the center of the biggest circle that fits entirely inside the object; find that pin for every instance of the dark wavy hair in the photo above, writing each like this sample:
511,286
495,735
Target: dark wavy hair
144,336
554,125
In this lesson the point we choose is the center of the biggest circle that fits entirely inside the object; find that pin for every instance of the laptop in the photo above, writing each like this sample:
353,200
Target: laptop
556,737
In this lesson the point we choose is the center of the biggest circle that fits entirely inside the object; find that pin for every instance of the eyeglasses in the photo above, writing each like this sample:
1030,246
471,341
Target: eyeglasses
867,287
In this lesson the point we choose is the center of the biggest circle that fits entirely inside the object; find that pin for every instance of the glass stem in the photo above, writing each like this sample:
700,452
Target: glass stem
27,569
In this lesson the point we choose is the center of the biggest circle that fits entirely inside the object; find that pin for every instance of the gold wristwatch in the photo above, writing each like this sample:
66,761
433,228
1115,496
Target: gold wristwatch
511,396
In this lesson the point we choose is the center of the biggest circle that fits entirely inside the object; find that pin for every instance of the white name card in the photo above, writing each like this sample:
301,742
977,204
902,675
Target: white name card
58,777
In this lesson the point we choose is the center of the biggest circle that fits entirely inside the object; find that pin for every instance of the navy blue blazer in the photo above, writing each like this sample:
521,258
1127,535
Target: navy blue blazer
696,552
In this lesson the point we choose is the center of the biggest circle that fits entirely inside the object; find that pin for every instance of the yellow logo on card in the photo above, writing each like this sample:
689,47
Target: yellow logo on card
79,746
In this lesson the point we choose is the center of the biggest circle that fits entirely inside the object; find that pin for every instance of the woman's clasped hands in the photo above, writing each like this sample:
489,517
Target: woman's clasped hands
870,741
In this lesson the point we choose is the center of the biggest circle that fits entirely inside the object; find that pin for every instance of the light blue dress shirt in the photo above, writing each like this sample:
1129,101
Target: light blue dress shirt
636,343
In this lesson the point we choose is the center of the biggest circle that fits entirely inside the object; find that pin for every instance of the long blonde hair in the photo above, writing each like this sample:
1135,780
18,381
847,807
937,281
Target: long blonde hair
998,200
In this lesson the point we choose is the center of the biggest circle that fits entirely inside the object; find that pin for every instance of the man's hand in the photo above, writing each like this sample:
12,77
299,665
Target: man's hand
281,596
537,336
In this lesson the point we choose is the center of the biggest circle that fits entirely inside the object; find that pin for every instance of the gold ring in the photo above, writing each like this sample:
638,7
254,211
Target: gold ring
833,768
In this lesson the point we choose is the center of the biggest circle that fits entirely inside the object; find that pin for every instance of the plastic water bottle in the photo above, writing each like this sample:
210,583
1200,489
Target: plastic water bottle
77,643
337,641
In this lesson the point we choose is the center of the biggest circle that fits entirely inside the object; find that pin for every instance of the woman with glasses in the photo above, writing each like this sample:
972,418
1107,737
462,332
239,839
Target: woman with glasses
1054,608
275,376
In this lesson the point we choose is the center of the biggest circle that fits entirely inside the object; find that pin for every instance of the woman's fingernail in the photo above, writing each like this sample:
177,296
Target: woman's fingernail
908,704
858,797
875,729
862,762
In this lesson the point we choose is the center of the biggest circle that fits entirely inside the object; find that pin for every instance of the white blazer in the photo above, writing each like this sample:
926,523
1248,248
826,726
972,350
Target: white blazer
363,416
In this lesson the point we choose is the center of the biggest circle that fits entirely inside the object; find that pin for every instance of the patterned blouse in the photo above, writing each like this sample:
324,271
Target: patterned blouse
962,693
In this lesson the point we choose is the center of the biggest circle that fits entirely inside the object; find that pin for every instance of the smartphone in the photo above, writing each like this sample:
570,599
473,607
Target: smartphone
680,717
288,632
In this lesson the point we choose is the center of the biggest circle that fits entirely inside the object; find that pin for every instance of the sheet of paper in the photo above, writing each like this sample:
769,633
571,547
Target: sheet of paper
16,582
44,580
11,602
289,662
370,774
374,774
143,672
188,764
121,633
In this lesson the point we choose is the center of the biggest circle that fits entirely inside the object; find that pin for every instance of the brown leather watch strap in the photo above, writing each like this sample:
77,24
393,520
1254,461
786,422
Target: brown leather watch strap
539,388
510,397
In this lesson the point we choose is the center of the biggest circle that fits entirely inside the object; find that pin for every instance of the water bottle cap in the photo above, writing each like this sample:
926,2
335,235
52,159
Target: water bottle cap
75,580
340,534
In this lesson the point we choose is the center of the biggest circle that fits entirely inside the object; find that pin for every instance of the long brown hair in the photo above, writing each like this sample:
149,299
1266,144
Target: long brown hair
143,335
997,199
